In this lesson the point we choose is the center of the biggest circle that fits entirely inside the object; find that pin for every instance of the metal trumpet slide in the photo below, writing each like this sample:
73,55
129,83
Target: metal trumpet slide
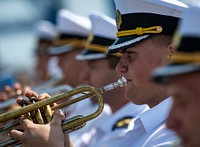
11,119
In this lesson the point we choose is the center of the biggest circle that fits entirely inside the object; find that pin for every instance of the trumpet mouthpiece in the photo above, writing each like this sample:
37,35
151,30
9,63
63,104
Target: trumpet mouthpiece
122,81
119,83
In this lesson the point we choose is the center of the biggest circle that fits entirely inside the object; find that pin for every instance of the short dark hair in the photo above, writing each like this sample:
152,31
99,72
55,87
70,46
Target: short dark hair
162,39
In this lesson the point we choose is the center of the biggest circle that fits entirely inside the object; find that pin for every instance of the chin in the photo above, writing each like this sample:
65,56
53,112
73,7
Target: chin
130,97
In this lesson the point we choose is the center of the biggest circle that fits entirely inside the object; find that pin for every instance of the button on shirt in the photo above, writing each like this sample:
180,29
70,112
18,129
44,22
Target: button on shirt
146,124
103,135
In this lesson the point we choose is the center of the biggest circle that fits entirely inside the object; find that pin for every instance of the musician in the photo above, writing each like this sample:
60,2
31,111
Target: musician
144,34
46,34
73,31
102,72
181,76
145,29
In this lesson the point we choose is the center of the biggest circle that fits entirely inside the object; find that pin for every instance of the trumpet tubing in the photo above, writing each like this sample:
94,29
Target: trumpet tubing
41,112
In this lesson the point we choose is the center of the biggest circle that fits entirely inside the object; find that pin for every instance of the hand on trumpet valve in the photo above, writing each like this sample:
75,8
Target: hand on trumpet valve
41,135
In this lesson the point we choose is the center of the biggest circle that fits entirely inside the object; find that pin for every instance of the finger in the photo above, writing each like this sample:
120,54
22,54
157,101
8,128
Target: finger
7,89
22,102
57,117
43,96
17,86
17,135
31,94
3,96
26,123
26,88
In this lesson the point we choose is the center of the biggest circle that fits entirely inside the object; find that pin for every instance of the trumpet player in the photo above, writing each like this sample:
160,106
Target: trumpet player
181,76
73,31
45,36
145,46
102,72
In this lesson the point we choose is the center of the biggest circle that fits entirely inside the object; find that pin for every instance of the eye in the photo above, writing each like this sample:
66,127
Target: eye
92,66
131,55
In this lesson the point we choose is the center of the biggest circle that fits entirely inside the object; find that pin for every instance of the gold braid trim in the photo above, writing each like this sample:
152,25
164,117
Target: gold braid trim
185,58
100,48
140,31
76,42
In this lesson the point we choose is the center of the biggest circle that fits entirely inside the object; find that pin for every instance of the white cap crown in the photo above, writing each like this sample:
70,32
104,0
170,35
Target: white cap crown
71,23
46,30
103,25
190,19
164,7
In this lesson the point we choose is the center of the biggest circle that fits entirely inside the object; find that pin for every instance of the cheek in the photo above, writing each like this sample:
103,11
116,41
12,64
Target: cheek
139,71
193,118
66,67
93,80
97,79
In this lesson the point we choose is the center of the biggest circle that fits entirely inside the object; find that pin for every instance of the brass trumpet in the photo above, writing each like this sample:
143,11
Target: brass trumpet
11,119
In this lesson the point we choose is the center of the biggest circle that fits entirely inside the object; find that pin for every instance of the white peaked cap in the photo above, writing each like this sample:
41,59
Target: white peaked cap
73,31
103,25
46,30
137,20
103,34
70,23
190,26
187,56
164,7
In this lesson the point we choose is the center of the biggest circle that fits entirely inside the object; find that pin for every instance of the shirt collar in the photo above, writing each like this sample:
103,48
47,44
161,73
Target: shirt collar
129,109
156,115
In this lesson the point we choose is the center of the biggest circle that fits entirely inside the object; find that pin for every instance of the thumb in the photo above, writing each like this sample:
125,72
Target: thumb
57,117
17,135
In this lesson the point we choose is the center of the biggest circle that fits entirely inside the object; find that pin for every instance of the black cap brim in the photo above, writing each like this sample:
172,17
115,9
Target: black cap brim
86,55
125,42
163,74
58,50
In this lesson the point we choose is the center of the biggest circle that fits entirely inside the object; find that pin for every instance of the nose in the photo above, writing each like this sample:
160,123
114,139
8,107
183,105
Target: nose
122,65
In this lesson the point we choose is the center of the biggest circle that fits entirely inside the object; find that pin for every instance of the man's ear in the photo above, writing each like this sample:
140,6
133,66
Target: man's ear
171,49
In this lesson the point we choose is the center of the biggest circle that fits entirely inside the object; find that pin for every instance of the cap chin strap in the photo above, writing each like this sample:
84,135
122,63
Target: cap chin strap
140,31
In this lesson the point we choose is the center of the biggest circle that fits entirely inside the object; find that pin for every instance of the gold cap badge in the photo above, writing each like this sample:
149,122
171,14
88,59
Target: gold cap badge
118,19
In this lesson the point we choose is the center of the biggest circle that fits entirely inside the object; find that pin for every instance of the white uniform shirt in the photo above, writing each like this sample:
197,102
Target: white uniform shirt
104,135
105,114
146,124
162,137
